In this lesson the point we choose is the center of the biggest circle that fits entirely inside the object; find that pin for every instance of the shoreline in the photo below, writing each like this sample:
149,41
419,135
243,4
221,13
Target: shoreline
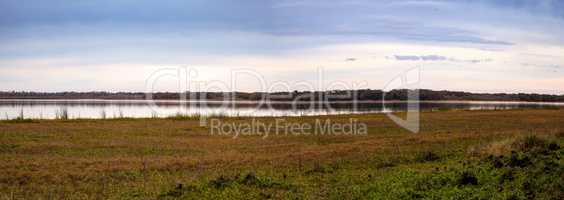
197,117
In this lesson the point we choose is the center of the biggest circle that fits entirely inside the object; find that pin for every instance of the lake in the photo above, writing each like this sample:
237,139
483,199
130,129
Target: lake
50,109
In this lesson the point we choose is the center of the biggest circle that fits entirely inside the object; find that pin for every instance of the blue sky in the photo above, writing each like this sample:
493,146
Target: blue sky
482,46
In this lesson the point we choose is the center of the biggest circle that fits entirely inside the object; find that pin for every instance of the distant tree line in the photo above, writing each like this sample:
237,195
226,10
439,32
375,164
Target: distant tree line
334,95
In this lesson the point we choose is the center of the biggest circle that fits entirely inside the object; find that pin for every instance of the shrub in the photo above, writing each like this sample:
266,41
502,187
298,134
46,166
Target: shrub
530,142
426,156
222,182
467,178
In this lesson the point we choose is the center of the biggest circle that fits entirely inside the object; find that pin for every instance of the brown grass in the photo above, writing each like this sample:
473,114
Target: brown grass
84,158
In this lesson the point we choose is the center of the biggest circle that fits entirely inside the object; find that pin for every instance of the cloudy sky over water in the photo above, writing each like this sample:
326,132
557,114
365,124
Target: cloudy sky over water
115,45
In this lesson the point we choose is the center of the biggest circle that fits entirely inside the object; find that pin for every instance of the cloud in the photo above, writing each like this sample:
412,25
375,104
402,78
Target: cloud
472,61
432,58
37,37
400,57
337,22
417,58
553,8
437,58
551,67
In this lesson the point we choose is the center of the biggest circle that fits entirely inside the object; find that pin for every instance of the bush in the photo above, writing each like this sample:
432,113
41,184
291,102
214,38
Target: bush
529,143
426,156
467,178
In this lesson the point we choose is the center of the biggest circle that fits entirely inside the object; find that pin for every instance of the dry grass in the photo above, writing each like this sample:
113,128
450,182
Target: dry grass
141,158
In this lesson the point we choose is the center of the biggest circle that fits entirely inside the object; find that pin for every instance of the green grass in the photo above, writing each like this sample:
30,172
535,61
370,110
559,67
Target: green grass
457,155
532,172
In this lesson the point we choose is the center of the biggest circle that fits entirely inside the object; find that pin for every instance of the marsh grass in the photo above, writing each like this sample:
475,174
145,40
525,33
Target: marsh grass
154,115
427,156
21,115
184,116
197,116
103,114
120,114
8,148
172,159
20,118
62,114
520,143
219,114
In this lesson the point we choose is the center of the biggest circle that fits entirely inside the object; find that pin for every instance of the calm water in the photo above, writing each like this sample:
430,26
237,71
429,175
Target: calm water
49,109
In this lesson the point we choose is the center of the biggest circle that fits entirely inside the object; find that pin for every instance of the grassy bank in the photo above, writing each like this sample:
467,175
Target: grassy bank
512,154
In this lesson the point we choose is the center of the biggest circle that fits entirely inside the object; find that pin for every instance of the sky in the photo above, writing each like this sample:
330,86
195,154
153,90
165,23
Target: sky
118,45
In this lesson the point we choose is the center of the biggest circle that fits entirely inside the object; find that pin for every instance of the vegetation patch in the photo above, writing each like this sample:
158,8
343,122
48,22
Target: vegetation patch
8,148
21,120
175,159
250,179
319,169
427,156
533,170
257,187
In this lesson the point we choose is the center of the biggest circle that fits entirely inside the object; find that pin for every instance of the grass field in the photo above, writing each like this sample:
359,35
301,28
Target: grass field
512,154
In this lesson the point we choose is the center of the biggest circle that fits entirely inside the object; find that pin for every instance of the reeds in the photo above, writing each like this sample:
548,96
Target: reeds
20,118
62,113
103,114
184,116
154,115
119,114
219,114
21,115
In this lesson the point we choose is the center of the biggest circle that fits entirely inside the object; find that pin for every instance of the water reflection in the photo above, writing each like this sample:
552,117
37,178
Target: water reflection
48,109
